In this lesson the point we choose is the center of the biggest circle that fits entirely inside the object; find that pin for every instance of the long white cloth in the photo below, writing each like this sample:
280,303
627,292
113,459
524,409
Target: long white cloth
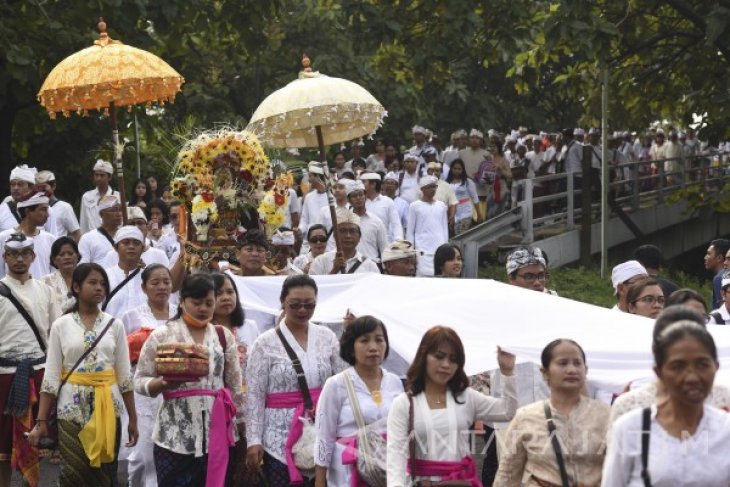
485,314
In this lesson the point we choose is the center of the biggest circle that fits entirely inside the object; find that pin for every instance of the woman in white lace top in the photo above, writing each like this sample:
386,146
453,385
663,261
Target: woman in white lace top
184,430
273,391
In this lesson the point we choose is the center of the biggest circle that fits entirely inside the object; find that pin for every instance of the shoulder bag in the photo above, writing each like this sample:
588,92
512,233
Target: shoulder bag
564,480
371,446
303,449
412,456
645,438
50,442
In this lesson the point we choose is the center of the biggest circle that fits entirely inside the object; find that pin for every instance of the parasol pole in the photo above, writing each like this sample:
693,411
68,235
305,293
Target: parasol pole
118,160
328,188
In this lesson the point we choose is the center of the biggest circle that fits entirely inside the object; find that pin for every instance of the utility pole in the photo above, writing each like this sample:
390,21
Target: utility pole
605,179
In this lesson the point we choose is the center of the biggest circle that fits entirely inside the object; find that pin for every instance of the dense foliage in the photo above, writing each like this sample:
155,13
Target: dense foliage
443,64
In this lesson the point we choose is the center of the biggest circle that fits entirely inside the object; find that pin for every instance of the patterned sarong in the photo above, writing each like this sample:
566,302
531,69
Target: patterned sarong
76,471
178,470
13,444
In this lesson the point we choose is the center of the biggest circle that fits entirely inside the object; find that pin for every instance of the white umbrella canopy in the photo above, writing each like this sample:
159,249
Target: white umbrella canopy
290,116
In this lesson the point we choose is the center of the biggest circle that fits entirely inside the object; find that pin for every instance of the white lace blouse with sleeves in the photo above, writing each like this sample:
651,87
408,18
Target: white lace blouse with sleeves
269,369
183,424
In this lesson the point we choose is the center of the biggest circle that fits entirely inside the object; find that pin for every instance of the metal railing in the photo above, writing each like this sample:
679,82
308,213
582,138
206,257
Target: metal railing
553,198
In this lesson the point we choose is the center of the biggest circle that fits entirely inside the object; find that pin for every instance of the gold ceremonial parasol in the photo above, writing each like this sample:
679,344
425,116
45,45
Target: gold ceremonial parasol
316,110
105,76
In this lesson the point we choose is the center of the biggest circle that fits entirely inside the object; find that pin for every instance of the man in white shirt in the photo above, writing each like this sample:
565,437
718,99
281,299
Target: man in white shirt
125,278
94,245
314,201
390,190
622,277
349,260
33,209
381,206
22,180
473,157
444,192
150,255
572,153
399,259
89,218
460,142
63,212
408,178
420,139
721,315
22,350
427,224
373,235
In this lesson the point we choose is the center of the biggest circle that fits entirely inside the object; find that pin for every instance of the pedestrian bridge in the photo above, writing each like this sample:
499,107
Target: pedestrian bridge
644,207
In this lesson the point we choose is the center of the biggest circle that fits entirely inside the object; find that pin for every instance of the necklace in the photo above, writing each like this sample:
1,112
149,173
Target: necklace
377,397
436,401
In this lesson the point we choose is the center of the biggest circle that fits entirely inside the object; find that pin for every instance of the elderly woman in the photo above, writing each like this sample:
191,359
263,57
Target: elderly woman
193,421
276,399
683,440
654,392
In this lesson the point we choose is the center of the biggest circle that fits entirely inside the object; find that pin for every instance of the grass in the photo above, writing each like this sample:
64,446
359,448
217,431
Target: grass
587,286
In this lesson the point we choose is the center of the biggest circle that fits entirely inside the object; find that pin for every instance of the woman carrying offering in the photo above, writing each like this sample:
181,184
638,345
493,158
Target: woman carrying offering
276,399
364,345
439,409
561,439
88,374
195,423
681,441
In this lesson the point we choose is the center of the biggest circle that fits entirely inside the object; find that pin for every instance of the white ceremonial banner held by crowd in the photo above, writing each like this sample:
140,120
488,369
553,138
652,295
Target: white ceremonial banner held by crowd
486,313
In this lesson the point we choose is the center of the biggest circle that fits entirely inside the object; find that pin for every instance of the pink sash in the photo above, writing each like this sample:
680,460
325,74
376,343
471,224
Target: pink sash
288,400
462,470
221,431
349,457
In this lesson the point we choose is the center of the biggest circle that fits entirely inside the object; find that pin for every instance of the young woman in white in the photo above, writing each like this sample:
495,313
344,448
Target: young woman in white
138,324
364,345
687,438
444,407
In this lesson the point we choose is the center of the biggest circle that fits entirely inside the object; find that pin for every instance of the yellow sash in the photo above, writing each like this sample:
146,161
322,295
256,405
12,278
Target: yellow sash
98,436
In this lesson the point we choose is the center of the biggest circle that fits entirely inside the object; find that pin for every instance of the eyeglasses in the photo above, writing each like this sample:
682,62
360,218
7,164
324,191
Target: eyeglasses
174,216
530,277
14,254
318,239
295,306
651,300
